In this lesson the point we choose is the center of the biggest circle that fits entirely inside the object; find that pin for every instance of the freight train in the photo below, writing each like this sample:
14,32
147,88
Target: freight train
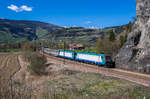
92,58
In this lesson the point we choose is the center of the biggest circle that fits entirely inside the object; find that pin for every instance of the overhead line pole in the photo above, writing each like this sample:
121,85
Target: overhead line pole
64,50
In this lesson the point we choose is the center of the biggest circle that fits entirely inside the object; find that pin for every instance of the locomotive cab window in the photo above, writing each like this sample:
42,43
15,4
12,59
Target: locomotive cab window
108,58
102,57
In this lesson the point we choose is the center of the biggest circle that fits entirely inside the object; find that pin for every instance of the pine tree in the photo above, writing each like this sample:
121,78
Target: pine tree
126,36
112,36
122,40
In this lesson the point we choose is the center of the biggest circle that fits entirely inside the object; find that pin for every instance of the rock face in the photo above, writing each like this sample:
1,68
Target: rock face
135,54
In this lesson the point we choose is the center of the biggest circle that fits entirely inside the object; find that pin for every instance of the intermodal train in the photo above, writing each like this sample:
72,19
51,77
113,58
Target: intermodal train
92,58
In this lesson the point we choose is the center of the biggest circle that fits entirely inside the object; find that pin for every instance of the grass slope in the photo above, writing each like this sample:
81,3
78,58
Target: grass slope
99,86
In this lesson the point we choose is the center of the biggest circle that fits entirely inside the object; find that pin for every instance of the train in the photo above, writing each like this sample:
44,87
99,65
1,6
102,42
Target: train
91,58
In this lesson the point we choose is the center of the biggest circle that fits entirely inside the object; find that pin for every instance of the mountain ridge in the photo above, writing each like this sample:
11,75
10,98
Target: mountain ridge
26,30
13,30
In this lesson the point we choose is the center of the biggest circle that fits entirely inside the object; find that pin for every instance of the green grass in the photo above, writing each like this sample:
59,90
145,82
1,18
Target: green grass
106,87
5,36
92,86
10,50
98,86
41,32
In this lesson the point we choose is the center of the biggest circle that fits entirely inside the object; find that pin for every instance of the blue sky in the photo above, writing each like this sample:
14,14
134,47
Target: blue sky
85,13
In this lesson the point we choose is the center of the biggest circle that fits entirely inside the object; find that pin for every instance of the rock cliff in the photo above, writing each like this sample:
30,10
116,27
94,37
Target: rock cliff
135,54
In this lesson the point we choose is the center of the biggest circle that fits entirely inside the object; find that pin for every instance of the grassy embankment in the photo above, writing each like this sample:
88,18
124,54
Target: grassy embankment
98,86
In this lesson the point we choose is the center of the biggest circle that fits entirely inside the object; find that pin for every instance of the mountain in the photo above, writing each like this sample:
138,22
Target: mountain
135,54
82,35
20,30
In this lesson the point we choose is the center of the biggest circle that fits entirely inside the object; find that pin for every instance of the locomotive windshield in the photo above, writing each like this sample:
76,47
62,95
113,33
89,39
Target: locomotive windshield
108,59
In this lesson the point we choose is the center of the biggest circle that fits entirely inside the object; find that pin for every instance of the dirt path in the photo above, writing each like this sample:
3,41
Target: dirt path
142,79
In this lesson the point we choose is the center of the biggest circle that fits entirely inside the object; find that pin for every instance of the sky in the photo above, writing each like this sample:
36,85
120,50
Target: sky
81,13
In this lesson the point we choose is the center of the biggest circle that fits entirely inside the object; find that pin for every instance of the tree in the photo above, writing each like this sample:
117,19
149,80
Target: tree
122,40
29,47
99,45
126,36
62,45
112,36
129,26
107,46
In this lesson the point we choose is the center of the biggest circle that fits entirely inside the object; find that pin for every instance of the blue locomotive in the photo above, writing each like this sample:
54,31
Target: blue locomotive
98,59
93,58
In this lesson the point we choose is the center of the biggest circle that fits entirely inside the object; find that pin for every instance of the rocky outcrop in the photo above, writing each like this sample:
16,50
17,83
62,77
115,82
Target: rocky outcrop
135,54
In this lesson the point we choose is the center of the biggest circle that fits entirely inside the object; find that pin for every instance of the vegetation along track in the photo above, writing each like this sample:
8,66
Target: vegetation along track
9,65
142,79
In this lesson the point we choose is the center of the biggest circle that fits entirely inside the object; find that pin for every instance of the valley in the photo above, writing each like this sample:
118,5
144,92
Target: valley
40,60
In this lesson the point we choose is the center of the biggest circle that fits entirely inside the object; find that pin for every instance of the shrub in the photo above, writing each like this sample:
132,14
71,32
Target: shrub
29,47
123,39
37,63
112,36
99,45
106,46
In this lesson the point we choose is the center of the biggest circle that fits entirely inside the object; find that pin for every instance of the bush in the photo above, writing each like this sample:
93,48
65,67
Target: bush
112,36
123,39
37,63
30,47
106,46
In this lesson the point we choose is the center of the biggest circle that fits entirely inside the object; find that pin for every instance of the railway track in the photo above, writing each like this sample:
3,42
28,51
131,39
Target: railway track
142,79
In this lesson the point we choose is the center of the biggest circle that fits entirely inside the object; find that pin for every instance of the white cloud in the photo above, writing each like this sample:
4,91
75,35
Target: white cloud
88,22
19,9
26,8
13,7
